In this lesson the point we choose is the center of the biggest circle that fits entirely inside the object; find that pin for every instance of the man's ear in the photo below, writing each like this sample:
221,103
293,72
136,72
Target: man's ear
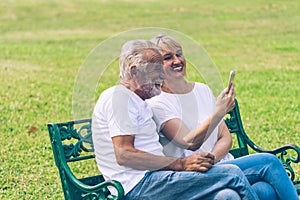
133,70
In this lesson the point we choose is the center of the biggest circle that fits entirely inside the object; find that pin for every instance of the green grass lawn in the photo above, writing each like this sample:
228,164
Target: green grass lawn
44,43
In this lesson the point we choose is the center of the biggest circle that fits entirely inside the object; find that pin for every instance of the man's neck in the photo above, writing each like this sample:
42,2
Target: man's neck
129,84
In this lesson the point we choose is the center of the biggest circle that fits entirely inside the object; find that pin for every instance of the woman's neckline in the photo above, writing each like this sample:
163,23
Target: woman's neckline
188,89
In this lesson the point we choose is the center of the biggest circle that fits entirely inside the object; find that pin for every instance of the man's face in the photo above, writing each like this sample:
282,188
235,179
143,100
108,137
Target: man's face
149,81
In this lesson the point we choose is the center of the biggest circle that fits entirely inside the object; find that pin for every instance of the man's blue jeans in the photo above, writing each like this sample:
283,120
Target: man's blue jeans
266,175
169,185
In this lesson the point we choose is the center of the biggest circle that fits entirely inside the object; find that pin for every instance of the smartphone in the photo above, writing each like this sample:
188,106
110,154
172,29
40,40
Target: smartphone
231,77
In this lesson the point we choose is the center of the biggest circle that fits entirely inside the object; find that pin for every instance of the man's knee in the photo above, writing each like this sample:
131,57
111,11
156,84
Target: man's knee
227,194
232,169
270,158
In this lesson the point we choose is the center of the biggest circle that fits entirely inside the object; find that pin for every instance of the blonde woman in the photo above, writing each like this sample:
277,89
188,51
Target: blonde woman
190,119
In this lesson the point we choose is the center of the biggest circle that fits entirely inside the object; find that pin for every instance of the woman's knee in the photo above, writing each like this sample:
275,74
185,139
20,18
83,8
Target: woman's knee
264,190
227,194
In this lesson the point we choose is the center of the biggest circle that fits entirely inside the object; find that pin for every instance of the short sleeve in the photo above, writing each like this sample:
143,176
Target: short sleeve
163,110
122,114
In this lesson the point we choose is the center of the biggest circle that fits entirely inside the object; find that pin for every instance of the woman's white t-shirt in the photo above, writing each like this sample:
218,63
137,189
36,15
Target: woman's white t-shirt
192,108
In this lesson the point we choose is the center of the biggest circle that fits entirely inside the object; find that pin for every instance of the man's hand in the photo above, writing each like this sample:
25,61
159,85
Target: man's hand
127,155
198,162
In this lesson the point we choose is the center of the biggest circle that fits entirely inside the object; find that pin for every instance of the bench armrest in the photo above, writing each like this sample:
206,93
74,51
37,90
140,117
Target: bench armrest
287,154
283,153
85,188
96,191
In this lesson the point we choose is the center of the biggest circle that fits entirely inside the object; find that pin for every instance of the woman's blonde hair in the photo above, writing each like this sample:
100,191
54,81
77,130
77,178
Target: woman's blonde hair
166,42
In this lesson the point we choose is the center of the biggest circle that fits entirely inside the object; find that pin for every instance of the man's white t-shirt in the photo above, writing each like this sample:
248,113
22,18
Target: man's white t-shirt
119,111
192,108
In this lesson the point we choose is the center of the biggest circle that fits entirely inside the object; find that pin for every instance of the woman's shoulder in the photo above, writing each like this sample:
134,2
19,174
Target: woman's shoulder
162,99
201,86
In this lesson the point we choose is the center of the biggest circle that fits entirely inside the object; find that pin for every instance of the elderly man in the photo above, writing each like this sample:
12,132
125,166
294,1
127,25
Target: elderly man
127,146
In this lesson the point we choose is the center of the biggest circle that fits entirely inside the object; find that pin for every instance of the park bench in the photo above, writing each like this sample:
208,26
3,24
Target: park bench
72,142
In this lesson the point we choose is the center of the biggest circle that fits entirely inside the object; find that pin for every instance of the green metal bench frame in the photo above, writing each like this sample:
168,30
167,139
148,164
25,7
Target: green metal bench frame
235,126
70,144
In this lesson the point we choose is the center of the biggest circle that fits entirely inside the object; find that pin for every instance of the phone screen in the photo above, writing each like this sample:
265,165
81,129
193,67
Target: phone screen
231,77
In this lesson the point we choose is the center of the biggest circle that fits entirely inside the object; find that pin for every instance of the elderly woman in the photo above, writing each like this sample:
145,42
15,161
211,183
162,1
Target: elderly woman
189,119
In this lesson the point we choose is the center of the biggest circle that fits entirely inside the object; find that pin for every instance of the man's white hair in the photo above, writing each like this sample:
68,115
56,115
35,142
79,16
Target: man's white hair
133,53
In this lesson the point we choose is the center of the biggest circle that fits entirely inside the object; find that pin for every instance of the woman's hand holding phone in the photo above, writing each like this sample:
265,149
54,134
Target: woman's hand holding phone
225,101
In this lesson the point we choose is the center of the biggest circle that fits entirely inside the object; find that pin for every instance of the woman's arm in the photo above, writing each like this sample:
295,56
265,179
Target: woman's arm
223,144
176,131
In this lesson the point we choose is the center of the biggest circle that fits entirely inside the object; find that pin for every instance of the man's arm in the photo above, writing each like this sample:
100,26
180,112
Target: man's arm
129,156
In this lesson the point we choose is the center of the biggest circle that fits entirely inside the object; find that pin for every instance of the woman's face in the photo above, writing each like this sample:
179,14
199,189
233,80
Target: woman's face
174,63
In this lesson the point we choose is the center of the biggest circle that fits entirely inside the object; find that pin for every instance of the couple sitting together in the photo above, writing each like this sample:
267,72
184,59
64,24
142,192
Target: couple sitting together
163,137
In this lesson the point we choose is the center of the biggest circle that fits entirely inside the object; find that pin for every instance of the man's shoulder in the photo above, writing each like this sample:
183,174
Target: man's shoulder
112,92
104,99
119,96
107,91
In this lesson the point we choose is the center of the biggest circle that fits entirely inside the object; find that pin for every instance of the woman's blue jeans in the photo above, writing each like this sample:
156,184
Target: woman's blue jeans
169,185
266,175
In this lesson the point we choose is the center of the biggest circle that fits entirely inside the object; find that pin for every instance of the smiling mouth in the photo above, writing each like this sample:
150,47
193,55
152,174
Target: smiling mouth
177,69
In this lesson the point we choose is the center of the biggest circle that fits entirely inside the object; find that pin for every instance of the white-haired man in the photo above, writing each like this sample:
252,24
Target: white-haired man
127,146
